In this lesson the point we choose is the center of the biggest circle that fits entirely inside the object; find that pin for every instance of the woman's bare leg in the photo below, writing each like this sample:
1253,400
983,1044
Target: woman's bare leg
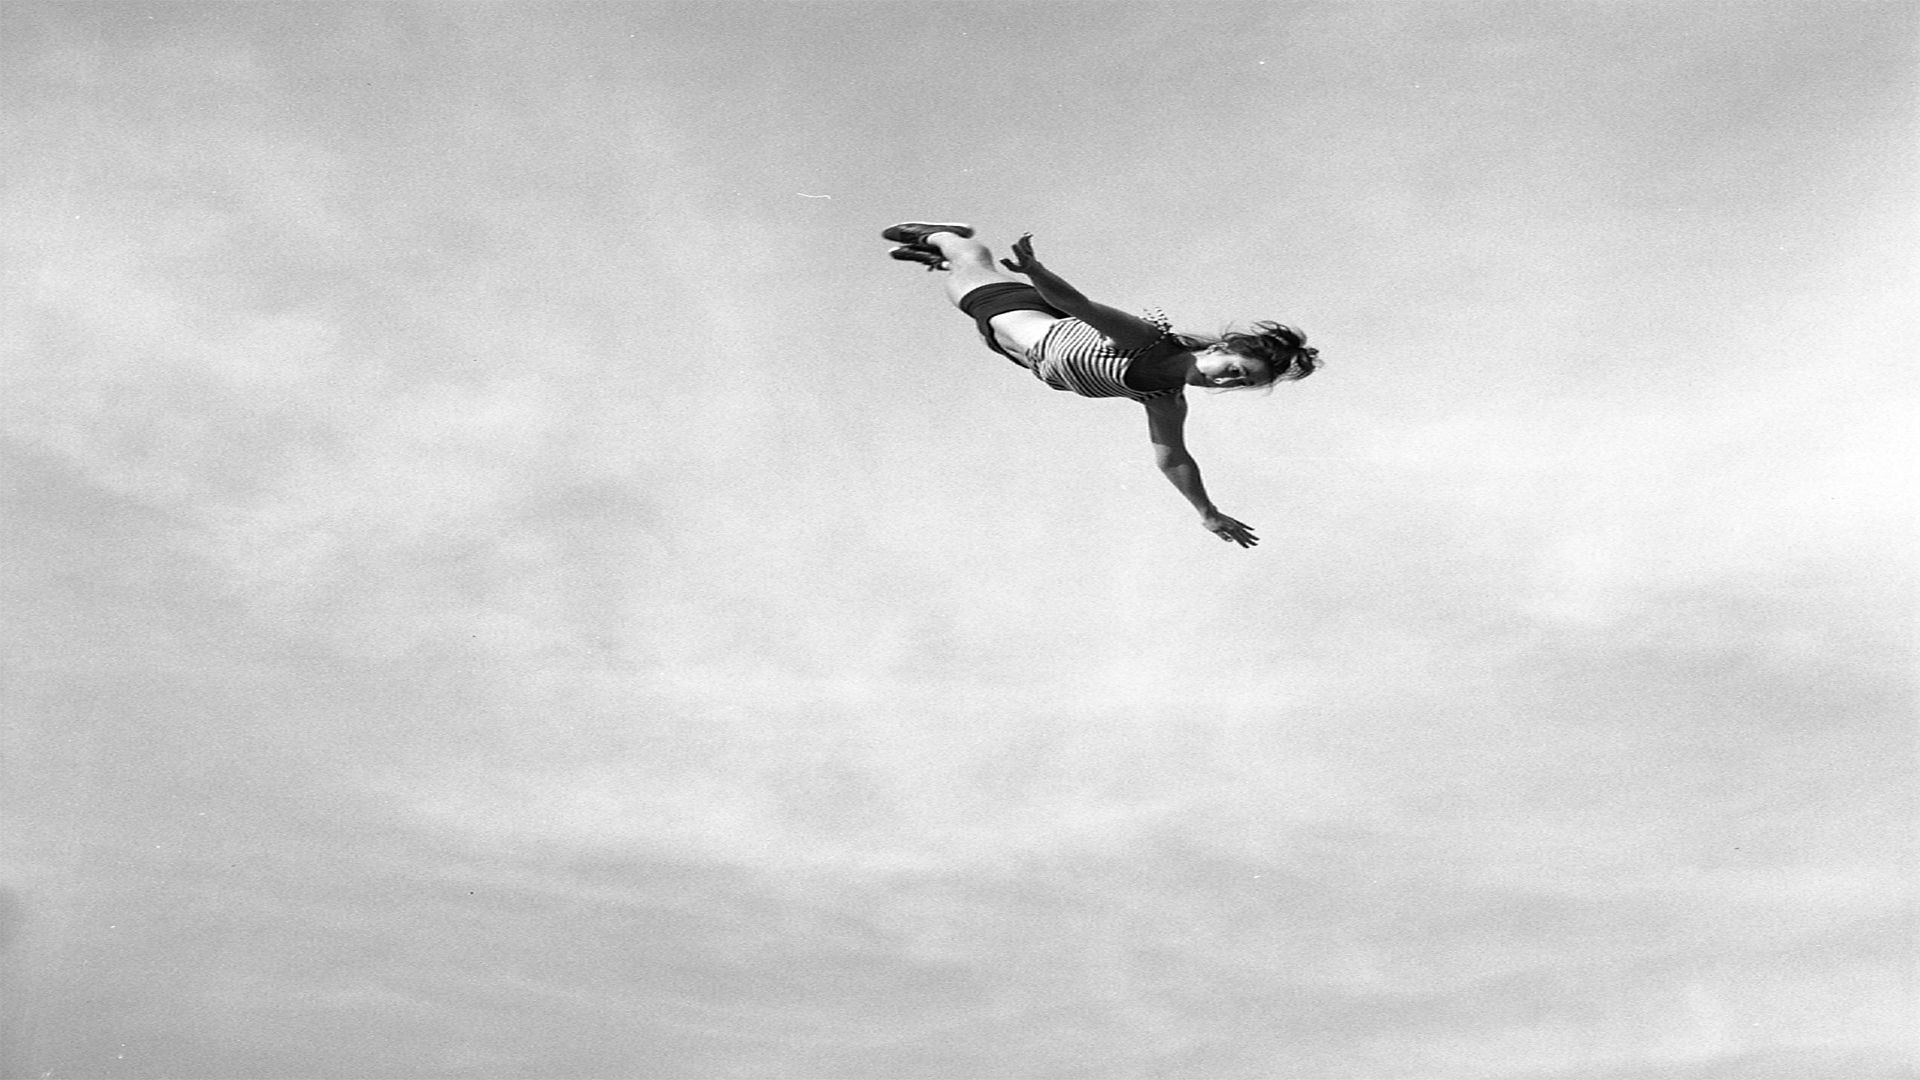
969,264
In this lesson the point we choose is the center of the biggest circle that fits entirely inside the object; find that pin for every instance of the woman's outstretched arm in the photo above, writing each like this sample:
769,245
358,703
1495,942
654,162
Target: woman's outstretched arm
1126,332
1166,425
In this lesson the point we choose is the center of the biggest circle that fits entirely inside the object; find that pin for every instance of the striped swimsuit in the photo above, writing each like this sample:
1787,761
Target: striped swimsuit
1075,357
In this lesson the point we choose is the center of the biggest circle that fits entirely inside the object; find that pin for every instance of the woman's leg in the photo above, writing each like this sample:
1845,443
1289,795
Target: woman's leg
969,264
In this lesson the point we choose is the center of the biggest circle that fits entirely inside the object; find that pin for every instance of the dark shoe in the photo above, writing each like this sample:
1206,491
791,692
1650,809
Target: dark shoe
933,259
916,232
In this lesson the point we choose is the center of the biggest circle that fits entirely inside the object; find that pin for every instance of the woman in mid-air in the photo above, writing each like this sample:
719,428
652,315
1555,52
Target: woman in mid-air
1072,343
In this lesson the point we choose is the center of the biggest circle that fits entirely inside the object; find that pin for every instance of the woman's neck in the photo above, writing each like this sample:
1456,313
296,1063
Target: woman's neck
1161,370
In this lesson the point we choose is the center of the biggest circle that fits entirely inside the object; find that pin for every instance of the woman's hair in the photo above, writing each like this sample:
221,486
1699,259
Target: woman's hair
1283,349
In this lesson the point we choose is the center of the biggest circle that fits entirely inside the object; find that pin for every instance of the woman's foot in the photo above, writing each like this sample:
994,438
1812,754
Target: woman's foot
909,253
915,233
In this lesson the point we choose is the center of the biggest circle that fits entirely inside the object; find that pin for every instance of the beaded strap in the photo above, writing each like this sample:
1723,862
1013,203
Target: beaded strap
1160,322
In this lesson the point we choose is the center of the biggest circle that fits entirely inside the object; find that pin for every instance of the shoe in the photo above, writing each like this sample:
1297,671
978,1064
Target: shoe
908,253
916,232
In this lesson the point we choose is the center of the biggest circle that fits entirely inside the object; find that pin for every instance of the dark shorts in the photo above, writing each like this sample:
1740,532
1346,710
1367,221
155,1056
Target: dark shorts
983,303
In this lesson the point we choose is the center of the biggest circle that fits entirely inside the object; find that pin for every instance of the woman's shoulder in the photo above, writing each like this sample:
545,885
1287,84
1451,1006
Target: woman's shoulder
1163,342
1168,344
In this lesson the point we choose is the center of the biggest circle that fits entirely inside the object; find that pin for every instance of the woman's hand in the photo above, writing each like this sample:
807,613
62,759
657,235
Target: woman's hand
1023,261
1226,528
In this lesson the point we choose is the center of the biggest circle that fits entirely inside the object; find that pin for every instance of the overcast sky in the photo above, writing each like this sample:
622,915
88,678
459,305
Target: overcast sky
506,579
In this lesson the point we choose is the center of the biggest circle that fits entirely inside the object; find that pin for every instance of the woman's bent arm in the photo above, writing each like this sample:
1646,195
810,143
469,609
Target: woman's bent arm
1127,332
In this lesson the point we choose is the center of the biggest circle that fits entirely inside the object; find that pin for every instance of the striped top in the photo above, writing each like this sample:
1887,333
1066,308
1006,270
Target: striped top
1075,357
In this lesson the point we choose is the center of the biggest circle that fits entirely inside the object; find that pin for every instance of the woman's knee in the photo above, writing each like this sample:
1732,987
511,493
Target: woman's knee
957,249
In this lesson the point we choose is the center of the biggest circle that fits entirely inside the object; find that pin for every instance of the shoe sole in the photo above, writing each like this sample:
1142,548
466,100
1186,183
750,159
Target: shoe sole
916,232
926,257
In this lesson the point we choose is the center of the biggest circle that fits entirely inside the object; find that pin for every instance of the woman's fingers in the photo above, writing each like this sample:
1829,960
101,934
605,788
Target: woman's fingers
1236,532
1022,260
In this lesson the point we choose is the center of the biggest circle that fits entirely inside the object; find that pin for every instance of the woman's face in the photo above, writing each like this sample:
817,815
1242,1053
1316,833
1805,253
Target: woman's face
1217,366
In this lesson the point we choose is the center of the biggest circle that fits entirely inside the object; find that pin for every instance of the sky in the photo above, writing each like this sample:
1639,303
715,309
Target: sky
506,579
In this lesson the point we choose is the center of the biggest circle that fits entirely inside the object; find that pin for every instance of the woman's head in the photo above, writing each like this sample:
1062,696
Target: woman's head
1268,353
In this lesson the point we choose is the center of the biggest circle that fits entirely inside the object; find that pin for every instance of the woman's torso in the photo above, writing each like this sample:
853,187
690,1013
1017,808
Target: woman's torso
1074,357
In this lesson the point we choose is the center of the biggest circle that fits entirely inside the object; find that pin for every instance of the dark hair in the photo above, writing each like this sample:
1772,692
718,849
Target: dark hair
1282,348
